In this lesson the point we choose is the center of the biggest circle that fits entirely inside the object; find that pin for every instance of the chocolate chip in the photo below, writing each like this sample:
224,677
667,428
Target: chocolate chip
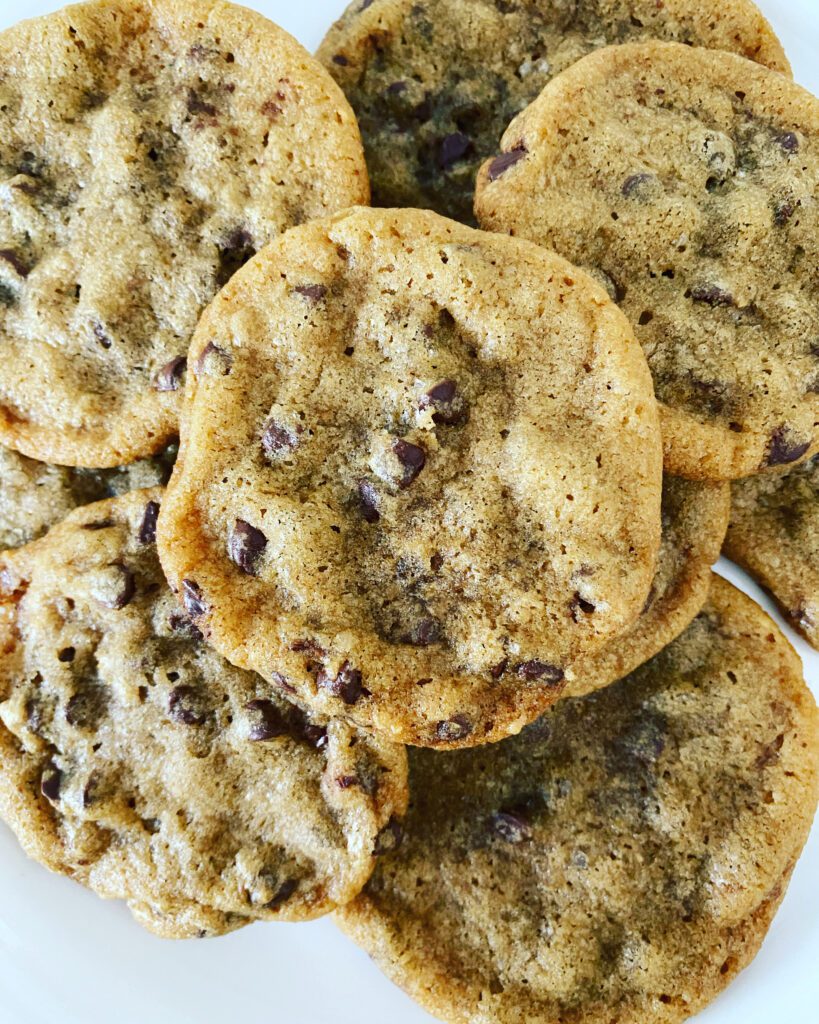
412,458
347,781
540,671
396,88
449,406
114,587
783,211
712,295
389,838
579,606
511,826
214,361
278,439
268,721
246,545
788,141
193,600
15,261
347,684
368,501
185,707
498,670
436,562
784,447
197,105
501,164
313,292
451,729
340,59
66,655
147,528
422,634
50,782
635,182
452,149
90,790
236,249
170,376
285,891
315,735
180,623
769,754
102,335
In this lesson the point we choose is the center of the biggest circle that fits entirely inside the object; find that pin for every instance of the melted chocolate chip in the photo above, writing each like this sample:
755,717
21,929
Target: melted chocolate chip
712,295
788,141
185,706
180,623
268,723
347,684
285,891
50,783
501,164
315,735
116,589
412,458
449,406
368,501
540,671
783,211
498,670
15,261
214,361
452,149
147,528
784,447
246,545
312,292
635,182
66,655
451,729
389,838
511,826
169,377
234,252
422,634
278,440
193,600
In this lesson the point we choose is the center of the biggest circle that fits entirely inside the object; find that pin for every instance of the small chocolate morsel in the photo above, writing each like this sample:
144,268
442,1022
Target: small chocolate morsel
788,141
169,377
511,826
312,292
453,148
412,458
147,528
712,295
285,891
185,707
192,598
347,684
784,447
196,105
501,164
456,728
278,439
214,361
635,182
15,261
50,783
540,671
368,501
246,545
268,721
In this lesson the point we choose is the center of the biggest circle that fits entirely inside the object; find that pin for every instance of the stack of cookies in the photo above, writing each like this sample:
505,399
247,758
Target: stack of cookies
359,559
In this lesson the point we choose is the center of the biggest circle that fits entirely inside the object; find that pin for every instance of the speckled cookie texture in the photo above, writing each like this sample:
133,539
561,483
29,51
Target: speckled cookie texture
147,149
434,83
695,518
688,181
35,495
138,761
774,534
420,471
619,861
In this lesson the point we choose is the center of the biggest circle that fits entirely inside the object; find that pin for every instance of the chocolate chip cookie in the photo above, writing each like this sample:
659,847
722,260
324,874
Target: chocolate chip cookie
688,180
136,760
147,149
774,534
621,859
36,495
420,473
435,83
695,518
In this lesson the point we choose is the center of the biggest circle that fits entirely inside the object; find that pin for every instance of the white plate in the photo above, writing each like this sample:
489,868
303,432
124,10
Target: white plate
67,957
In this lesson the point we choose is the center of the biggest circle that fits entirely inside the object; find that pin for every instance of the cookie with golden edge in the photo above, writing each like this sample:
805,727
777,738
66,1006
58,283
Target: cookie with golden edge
420,474
435,83
695,518
687,180
147,149
619,861
35,495
139,762
774,535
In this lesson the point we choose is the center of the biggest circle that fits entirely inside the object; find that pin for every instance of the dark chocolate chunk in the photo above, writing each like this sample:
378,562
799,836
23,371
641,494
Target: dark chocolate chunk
192,598
169,377
180,623
511,826
278,439
784,447
347,684
102,336
456,728
315,735
453,148
14,260
66,655
268,721
712,295
246,545
423,633
635,182
340,59
540,671
185,706
234,252
501,164
448,405
285,891
498,670
413,459
50,783
312,292
368,501
788,141
147,528
389,838
197,105
214,361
